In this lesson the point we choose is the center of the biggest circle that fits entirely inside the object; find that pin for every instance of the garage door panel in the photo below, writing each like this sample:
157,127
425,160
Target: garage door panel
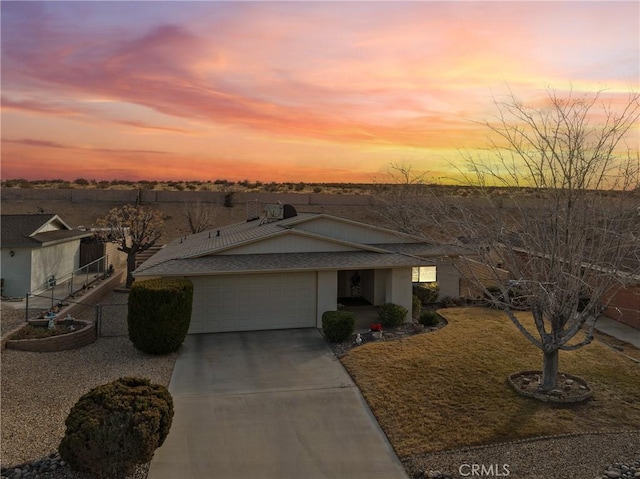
253,302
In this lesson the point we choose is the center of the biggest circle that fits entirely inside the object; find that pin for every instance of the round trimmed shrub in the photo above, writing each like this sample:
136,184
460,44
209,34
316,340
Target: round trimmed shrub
159,314
116,426
392,315
338,326
427,292
429,318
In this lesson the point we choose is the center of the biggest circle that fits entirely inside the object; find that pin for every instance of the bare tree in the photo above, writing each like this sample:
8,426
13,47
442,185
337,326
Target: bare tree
199,216
401,198
563,223
134,229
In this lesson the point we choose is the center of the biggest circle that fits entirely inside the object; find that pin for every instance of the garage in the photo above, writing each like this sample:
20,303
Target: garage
250,302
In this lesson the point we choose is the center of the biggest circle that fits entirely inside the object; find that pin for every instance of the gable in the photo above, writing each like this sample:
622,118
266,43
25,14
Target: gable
290,243
352,232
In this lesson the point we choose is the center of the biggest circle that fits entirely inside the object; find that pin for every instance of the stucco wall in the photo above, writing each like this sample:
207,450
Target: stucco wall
399,288
625,306
16,271
448,280
59,260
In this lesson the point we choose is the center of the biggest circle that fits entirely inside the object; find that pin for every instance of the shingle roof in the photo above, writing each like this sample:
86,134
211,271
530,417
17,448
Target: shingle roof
198,253
20,231
248,263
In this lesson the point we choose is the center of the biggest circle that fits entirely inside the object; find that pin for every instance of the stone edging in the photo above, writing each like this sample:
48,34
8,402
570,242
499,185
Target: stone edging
62,342
547,397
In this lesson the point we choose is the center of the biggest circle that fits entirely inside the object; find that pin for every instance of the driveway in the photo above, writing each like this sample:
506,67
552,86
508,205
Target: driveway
269,405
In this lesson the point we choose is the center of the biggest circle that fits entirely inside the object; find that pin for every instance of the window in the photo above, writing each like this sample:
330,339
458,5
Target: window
423,274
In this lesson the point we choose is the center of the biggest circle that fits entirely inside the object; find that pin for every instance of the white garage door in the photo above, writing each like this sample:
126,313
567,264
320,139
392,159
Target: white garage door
253,302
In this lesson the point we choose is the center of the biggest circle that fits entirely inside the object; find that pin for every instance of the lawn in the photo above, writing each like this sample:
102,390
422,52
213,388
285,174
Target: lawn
448,389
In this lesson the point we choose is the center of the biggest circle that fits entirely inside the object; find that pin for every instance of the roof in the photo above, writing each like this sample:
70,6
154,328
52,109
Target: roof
211,252
36,230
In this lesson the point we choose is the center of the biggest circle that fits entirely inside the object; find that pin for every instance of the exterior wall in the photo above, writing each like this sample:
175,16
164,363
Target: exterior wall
625,306
15,271
380,286
290,243
117,258
349,232
59,260
448,279
399,288
327,287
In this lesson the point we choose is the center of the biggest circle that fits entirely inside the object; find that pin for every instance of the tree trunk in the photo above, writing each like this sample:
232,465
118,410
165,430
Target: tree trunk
549,370
131,266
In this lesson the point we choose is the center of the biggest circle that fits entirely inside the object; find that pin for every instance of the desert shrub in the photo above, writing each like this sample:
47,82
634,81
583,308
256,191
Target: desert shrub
427,292
416,307
159,314
338,326
116,426
451,302
429,318
392,315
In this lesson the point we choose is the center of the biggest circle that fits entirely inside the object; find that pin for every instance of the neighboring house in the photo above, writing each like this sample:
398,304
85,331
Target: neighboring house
34,248
285,273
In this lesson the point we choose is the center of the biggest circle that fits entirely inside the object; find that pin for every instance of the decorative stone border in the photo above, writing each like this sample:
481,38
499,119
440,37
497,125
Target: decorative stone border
84,334
588,393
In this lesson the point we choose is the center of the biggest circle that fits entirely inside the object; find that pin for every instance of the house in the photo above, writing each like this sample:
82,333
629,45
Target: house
287,269
35,248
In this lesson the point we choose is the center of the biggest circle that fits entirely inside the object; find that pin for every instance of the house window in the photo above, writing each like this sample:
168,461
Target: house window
423,274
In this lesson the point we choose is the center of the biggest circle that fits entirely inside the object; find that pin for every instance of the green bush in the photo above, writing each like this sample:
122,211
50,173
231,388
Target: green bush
338,326
416,307
159,314
427,292
116,426
392,315
429,318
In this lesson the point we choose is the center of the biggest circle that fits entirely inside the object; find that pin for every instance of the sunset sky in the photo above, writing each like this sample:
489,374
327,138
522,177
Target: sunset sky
287,91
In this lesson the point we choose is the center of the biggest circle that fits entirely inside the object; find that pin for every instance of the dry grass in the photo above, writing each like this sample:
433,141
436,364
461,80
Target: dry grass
448,389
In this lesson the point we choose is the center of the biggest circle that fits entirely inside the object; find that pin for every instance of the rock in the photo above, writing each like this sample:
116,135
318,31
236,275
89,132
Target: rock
613,474
569,381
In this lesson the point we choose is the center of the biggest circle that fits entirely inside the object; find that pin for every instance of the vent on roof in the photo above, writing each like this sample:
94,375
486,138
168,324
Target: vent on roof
289,211
253,210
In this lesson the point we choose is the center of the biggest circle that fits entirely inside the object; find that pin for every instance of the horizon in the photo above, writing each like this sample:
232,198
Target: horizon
312,92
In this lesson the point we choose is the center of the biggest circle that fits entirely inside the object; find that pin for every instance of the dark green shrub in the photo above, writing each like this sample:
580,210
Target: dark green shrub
159,314
392,315
429,318
427,292
116,426
338,326
416,307
450,302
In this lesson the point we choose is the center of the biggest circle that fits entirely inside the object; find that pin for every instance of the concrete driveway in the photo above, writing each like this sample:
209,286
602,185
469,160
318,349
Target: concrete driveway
269,405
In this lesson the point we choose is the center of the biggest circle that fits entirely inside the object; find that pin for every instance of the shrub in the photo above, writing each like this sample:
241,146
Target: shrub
159,314
392,315
416,307
116,426
429,318
427,292
338,326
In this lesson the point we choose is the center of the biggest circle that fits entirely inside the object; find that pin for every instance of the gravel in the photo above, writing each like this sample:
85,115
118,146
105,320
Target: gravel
39,389
586,456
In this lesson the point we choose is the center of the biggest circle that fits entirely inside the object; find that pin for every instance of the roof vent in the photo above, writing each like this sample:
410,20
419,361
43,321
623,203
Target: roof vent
289,211
274,212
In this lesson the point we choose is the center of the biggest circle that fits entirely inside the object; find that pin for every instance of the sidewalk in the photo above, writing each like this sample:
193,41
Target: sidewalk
619,331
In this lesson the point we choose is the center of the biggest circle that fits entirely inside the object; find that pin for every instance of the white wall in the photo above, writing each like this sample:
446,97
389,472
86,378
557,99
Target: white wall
448,280
327,287
59,260
399,288
350,232
16,271
290,243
